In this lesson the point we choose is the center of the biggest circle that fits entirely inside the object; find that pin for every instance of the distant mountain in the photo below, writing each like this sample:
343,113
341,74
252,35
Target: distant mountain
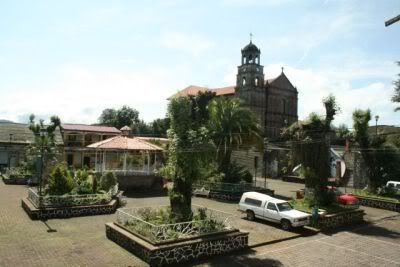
5,121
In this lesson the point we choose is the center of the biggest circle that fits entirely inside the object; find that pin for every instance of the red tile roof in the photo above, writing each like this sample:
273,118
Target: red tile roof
89,128
228,90
194,90
124,143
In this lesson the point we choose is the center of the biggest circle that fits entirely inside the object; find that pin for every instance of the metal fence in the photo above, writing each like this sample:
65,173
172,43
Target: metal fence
48,201
230,187
133,220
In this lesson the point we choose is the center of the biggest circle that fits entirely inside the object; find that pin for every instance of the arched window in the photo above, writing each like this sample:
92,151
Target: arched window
256,81
250,59
257,60
244,81
244,60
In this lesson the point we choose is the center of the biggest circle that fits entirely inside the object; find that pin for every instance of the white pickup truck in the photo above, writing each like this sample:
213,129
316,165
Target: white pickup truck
257,205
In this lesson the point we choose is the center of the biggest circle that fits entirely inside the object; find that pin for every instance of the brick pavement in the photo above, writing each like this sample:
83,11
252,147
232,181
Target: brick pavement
81,241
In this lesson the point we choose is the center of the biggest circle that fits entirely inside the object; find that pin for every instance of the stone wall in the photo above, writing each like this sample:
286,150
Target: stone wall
66,212
380,204
180,251
16,180
133,182
332,221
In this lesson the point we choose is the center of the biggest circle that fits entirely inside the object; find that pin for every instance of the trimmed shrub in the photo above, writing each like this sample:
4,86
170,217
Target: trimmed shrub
107,180
60,181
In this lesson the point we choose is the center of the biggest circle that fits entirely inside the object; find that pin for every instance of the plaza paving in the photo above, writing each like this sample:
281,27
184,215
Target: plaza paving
82,242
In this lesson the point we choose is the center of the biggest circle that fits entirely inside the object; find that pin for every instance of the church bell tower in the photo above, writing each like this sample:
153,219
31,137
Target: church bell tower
250,86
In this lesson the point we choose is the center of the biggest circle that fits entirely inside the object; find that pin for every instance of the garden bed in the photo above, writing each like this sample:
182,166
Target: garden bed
228,191
49,206
332,216
145,233
380,203
16,179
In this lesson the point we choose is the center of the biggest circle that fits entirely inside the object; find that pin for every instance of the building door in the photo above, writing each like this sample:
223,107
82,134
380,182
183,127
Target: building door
70,159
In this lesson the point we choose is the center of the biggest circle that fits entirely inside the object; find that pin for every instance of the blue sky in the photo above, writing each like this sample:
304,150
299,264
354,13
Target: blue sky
75,58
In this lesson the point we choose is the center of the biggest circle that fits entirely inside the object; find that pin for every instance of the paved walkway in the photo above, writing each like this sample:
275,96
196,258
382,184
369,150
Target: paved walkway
82,242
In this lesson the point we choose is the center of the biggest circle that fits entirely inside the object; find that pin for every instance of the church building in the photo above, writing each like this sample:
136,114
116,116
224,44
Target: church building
274,101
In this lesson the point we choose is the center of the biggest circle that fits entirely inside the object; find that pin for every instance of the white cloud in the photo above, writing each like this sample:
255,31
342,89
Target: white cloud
193,44
80,94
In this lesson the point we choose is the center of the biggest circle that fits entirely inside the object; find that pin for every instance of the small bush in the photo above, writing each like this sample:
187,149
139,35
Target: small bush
107,180
236,173
60,181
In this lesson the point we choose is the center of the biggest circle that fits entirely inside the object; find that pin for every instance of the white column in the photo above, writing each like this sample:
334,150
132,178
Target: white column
148,163
104,160
95,160
124,163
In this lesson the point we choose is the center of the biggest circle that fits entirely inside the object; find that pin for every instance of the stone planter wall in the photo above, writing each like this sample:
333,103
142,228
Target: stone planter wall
179,251
332,221
16,179
235,196
66,212
378,203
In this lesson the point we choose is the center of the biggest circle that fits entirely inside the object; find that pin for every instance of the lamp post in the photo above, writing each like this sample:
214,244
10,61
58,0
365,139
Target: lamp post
376,124
43,133
9,153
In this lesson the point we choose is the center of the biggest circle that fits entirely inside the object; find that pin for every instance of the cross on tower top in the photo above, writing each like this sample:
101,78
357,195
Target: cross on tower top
282,69
251,37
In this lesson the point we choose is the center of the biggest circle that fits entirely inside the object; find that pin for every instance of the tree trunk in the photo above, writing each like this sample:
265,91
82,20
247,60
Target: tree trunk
181,200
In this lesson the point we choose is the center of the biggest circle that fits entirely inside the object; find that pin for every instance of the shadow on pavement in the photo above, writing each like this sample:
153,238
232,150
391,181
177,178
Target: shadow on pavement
144,194
234,259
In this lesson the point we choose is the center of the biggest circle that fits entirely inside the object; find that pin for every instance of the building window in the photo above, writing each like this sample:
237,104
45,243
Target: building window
244,81
257,81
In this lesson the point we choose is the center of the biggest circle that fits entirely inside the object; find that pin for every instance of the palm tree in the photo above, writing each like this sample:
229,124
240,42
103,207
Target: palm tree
232,125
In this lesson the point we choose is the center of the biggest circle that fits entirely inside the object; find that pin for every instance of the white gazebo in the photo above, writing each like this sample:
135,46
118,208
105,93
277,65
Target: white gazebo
126,155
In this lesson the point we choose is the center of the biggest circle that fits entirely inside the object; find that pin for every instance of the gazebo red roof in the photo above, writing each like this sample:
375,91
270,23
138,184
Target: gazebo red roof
124,143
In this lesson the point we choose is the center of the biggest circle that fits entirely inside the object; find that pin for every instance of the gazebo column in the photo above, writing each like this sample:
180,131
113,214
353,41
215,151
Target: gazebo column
148,163
95,161
124,163
104,160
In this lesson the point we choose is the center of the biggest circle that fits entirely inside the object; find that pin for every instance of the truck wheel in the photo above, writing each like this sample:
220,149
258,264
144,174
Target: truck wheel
250,215
286,225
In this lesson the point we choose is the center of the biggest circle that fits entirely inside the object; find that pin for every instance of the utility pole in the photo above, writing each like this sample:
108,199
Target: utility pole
376,125
42,136
392,20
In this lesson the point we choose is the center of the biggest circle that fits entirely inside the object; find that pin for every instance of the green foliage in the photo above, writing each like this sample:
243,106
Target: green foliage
107,180
47,143
306,205
82,182
396,96
331,110
125,116
231,126
60,181
189,150
381,160
236,173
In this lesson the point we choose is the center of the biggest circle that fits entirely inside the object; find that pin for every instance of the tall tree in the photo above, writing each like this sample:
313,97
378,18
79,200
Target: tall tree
381,161
189,148
125,116
231,126
47,142
396,96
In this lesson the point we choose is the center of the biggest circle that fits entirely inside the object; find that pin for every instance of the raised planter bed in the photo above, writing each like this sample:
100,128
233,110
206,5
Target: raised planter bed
336,220
226,191
46,207
379,203
156,246
293,179
13,179
67,212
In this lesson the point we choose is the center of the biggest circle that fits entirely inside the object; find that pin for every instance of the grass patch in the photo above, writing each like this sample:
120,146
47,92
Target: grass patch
365,193
306,205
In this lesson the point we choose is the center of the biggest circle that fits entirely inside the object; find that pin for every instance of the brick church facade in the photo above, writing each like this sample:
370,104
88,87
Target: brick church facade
274,101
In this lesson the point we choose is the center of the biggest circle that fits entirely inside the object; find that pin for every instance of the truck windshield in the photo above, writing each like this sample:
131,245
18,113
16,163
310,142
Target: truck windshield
284,206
